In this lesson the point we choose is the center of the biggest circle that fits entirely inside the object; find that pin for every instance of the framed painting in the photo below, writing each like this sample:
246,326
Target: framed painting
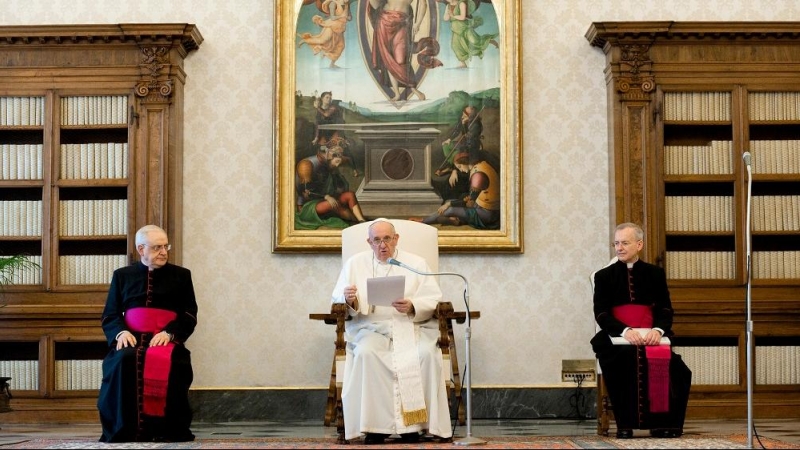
398,109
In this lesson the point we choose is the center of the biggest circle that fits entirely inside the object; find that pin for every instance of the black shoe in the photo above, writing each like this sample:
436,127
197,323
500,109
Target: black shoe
624,434
666,433
409,438
375,438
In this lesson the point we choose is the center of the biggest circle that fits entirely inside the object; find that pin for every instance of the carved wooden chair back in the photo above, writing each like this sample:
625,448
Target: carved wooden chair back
415,237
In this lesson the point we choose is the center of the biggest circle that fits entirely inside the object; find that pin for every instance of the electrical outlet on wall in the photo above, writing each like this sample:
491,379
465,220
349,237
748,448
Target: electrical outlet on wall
578,370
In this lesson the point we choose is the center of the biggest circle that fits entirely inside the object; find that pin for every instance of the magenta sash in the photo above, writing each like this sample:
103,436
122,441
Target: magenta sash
157,360
658,356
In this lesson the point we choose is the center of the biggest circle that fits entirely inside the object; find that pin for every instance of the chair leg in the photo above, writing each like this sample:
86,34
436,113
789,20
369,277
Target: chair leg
447,344
603,408
330,406
340,419
457,397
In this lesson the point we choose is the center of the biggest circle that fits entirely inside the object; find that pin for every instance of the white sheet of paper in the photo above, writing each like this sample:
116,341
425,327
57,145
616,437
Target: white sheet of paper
619,340
383,291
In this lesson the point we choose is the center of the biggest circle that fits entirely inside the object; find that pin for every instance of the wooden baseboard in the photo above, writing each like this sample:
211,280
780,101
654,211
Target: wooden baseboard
302,404
736,408
26,410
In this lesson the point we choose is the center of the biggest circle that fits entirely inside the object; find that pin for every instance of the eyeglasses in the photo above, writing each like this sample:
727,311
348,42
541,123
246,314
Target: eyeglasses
378,241
158,248
623,243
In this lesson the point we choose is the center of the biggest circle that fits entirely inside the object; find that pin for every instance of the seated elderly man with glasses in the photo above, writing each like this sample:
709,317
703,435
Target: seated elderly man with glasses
393,375
150,312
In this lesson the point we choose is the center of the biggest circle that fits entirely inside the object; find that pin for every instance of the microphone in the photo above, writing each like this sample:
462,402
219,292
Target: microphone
746,157
397,263
469,439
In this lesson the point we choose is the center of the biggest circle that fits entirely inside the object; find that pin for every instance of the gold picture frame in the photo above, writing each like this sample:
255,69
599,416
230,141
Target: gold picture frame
302,32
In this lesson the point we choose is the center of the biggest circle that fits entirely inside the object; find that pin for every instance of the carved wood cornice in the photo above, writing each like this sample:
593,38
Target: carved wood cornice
162,48
600,34
184,37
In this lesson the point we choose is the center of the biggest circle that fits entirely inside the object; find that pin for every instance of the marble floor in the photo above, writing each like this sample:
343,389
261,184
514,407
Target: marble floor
787,430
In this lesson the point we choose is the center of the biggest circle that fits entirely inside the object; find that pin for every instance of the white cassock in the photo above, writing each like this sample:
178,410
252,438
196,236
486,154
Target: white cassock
371,392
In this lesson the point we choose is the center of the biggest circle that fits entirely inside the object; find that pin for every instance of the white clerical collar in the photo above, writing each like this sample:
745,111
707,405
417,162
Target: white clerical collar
378,261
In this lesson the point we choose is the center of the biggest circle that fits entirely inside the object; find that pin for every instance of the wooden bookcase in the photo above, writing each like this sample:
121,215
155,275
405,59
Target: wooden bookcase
91,144
686,100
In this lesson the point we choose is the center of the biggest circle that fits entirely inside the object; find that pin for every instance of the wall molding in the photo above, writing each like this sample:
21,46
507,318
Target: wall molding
243,405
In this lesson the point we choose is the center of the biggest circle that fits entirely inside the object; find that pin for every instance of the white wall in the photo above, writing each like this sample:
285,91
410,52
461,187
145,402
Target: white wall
254,329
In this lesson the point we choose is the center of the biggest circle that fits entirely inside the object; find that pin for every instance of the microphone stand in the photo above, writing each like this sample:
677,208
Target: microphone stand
749,322
469,439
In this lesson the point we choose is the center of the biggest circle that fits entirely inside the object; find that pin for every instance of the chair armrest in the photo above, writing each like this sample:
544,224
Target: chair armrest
338,312
444,310
338,316
445,315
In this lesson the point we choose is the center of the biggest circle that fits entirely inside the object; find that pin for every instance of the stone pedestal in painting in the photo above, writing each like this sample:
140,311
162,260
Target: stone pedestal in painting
397,168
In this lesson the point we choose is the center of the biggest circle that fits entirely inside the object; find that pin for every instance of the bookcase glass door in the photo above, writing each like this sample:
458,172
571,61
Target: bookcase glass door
701,195
92,188
699,186
22,180
87,170
774,143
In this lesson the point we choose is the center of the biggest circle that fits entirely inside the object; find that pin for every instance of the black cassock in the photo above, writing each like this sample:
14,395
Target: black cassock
624,367
121,398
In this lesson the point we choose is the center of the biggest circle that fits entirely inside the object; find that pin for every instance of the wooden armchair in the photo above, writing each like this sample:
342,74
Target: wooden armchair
444,313
352,240
605,411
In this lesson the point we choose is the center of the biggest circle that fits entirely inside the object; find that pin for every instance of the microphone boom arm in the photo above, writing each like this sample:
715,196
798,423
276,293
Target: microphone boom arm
469,439
395,262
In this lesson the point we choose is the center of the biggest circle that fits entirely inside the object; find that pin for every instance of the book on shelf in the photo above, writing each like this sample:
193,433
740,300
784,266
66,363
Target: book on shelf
21,111
777,364
774,106
79,374
717,365
697,106
685,265
93,217
21,218
24,374
94,110
88,269
20,161
98,160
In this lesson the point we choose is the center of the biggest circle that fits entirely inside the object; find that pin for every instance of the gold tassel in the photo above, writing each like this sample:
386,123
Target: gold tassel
416,416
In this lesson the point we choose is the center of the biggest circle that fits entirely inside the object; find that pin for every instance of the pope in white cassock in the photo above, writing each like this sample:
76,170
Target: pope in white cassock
393,373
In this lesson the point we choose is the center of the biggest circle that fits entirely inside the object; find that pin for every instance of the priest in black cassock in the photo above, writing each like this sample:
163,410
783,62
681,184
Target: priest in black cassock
647,383
150,312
